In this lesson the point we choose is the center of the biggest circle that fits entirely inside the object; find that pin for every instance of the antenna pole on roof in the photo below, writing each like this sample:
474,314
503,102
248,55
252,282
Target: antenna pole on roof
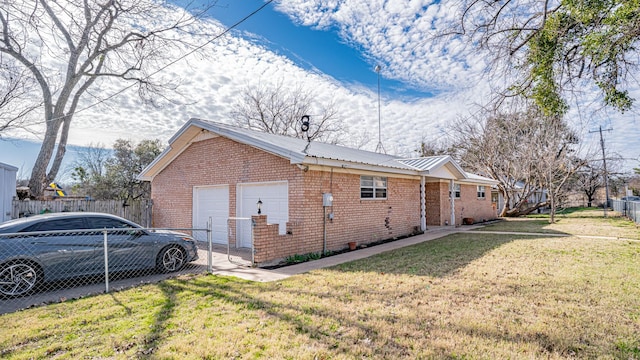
379,147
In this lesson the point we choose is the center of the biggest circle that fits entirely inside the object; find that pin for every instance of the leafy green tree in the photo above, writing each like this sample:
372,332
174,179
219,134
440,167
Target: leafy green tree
127,162
557,47
112,174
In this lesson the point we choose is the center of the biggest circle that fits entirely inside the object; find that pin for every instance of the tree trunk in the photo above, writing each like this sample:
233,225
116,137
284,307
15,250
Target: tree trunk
62,149
552,209
38,181
505,206
519,211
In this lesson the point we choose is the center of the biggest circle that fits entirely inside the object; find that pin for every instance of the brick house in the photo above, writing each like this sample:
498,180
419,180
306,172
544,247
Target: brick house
314,196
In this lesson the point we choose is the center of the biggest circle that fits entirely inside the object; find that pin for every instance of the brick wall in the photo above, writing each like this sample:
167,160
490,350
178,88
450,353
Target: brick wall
212,162
222,161
468,205
360,221
434,203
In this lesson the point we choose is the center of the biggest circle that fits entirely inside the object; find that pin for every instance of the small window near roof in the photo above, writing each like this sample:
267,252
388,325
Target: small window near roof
373,187
481,193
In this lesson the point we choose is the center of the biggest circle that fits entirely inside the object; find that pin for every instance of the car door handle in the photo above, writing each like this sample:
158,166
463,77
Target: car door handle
38,242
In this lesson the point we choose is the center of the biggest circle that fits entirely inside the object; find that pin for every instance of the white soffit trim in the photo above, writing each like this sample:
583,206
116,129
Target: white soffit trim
315,161
177,144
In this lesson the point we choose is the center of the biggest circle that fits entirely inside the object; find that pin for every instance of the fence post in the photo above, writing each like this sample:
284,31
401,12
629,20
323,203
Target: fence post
15,209
106,262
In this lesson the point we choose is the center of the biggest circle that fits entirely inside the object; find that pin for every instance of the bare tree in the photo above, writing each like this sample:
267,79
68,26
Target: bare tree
557,161
525,151
557,46
591,177
67,45
15,105
494,146
588,181
278,109
434,147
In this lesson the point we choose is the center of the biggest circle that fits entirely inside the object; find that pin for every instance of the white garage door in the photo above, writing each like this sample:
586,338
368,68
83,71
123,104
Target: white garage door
275,204
211,201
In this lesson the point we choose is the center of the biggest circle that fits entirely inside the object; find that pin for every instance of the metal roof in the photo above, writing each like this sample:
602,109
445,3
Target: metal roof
300,151
426,163
8,167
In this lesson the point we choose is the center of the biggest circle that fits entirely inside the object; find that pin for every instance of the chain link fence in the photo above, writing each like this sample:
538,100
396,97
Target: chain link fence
46,266
630,209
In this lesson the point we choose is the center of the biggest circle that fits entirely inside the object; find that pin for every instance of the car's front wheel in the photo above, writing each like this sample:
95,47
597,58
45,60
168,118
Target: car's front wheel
171,259
18,278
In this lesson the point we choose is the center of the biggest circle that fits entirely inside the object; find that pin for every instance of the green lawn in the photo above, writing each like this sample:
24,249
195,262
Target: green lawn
587,221
466,296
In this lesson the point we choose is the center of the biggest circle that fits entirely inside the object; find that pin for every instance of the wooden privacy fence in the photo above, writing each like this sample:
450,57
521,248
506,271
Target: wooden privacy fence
138,211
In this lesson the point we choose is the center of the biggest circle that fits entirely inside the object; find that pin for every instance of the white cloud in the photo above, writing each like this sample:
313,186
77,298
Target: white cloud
400,34
394,32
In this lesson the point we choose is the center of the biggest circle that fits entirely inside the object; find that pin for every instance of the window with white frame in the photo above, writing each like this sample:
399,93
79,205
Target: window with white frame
456,191
373,187
481,193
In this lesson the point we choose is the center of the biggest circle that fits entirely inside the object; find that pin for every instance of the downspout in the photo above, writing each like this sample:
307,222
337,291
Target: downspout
423,205
452,198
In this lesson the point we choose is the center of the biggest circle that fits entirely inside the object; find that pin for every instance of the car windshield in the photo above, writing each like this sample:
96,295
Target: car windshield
12,223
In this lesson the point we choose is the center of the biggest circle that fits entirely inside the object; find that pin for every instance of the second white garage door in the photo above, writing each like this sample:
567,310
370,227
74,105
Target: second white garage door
211,201
275,204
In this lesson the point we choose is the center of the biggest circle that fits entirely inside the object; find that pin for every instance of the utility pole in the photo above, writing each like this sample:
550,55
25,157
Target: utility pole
379,147
604,164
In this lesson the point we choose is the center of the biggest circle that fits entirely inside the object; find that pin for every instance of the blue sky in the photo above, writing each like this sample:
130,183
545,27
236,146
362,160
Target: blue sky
331,47
310,48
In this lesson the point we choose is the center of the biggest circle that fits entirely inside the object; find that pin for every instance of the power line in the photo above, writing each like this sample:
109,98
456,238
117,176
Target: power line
379,147
176,60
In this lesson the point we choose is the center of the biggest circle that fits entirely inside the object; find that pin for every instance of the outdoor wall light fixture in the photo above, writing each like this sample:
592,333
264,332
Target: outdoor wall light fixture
259,203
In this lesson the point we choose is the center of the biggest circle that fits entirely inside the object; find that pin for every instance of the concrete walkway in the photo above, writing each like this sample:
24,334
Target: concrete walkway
256,274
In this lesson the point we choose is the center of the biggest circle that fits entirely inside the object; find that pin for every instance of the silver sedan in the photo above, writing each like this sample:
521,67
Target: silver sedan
59,246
